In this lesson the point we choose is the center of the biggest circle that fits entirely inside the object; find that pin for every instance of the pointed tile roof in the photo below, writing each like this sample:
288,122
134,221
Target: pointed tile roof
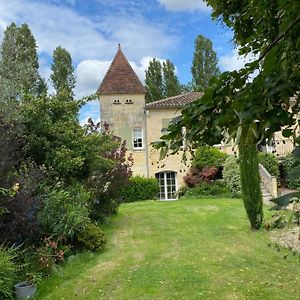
175,101
120,78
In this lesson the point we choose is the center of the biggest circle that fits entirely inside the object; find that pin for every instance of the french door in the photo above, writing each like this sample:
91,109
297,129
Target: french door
167,185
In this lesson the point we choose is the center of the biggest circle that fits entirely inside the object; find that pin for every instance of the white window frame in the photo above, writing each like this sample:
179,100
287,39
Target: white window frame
135,137
163,185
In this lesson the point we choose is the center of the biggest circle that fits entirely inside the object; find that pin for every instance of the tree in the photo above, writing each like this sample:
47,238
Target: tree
154,81
249,109
170,81
62,76
19,63
205,63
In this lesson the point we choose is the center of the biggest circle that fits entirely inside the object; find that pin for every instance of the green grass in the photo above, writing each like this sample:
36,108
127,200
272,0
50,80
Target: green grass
187,249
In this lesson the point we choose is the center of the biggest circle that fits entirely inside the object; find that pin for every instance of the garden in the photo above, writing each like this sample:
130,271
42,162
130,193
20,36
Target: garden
72,222
186,249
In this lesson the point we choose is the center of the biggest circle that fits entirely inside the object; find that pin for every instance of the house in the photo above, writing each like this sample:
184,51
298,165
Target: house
123,107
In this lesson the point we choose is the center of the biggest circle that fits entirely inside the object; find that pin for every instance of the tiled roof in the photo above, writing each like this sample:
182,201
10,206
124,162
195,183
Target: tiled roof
176,101
120,78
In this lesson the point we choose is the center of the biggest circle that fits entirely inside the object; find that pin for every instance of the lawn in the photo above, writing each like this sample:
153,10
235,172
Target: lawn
186,249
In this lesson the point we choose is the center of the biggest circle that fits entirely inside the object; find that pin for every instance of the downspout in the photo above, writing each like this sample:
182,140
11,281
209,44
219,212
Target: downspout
146,143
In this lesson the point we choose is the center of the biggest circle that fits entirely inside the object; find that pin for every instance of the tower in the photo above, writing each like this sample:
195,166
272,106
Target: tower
122,103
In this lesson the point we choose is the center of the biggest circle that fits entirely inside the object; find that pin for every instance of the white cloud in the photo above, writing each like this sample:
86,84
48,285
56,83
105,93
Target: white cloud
184,5
84,37
234,61
89,74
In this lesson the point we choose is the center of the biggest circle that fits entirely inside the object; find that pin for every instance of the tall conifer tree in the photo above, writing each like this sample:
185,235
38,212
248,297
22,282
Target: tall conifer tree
154,81
19,64
62,77
205,63
170,80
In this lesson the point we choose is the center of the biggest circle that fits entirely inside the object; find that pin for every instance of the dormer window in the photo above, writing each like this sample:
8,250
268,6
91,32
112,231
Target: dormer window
116,101
128,101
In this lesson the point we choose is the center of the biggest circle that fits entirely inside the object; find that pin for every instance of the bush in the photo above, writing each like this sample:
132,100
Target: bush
208,189
288,162
140,188
270,162
8,270
193,177
231,175
207,156
19,222
65,212
92,237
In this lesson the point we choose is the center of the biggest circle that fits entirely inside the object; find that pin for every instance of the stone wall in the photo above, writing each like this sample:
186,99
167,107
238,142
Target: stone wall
123,113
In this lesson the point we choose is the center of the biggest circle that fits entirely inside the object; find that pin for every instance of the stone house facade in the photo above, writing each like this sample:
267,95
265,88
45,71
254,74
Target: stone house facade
123,107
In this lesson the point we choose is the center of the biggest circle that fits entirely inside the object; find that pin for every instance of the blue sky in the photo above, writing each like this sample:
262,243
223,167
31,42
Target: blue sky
91,30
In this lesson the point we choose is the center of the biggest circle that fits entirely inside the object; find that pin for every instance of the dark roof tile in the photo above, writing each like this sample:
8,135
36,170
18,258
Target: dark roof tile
175,101
120,78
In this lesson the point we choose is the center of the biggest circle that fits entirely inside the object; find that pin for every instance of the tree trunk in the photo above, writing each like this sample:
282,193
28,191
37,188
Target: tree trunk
250,181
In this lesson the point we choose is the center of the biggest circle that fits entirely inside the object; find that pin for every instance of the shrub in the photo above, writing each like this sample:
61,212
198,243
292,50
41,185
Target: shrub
140,188
65,212
208,189
19,222
207,156
288,162
270,162
92,237
231,175
208,173
8,270
193,177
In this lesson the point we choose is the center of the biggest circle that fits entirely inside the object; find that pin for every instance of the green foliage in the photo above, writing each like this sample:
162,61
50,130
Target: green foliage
65,212
250,182
62,76
205,63
19,63
288,162
170,81
231,175
161,80
154,81
140,188
8,272
207,156
270,162
204,189
92,237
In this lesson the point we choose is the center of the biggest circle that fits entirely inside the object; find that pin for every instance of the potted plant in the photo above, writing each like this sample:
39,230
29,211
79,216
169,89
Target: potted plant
26,289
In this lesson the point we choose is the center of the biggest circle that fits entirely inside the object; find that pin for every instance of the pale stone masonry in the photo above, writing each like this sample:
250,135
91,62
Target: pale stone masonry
123,107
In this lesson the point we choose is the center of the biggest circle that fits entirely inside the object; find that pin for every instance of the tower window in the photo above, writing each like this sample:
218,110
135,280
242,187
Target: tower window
128,101
137,138
117,101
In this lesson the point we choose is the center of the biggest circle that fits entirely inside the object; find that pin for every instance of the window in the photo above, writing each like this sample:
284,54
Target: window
167,185
137,138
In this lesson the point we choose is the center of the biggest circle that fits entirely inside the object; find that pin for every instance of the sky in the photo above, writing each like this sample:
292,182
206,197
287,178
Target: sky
92,29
